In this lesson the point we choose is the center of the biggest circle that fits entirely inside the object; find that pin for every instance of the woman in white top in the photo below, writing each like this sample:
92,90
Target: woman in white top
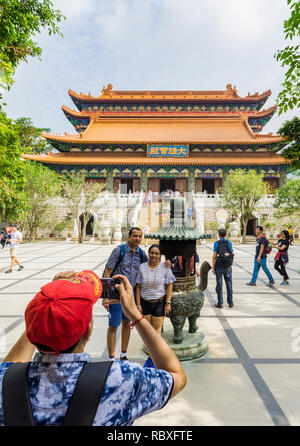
154,286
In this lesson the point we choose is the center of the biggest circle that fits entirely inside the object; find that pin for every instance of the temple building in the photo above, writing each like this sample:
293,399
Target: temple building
181,140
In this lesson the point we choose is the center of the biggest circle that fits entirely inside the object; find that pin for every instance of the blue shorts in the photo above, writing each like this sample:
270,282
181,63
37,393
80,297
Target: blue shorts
116,315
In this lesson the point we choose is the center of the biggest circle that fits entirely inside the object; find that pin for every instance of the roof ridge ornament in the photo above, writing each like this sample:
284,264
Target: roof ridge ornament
107,91
231,91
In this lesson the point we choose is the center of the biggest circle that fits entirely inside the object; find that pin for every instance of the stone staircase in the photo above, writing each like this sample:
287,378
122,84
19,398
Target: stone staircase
154,216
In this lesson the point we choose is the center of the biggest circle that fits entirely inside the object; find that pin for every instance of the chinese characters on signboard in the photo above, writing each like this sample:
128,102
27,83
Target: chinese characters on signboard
167,151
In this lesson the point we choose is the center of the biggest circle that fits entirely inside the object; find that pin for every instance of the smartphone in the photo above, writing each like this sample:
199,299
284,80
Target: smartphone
109,290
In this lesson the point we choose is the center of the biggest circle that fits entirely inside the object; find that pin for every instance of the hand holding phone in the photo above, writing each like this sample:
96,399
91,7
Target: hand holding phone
109,290
127,298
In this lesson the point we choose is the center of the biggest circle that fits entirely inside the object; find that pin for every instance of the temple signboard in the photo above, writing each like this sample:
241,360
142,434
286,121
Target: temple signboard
170,151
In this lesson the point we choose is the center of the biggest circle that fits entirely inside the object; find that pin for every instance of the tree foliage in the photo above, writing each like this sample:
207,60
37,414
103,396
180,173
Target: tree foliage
241,193
289,97
79,196
18,178
42,184
291,131
30,136
287,198
20,21
13,199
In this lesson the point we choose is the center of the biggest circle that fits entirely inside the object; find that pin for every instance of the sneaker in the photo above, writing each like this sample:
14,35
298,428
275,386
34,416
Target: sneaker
123,358
20,268
112,359
271,283
231,305
251,284
284,282
218,306
8,271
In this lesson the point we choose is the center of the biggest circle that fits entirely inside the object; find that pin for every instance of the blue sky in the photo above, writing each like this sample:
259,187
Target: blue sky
152,45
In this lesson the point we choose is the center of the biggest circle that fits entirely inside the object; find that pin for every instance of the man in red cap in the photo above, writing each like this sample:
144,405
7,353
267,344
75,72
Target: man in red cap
59,324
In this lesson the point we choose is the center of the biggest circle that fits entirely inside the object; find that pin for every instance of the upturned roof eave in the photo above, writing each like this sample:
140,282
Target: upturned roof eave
116,97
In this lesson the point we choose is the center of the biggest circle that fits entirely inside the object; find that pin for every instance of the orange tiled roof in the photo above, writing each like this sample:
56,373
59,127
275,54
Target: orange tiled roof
229,94
230,130
134,159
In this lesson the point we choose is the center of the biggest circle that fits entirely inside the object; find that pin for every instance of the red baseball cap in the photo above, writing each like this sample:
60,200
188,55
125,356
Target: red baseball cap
60,313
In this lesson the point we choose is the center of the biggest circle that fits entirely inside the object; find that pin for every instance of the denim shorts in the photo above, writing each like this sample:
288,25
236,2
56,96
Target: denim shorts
116,315
156,309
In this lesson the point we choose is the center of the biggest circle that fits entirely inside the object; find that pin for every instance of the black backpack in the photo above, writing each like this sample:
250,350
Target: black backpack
224,254
17,410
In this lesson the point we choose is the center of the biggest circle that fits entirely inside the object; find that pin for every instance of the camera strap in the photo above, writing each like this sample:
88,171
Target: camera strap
83,405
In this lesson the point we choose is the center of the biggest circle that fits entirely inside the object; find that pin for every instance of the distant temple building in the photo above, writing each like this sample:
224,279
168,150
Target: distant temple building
158,140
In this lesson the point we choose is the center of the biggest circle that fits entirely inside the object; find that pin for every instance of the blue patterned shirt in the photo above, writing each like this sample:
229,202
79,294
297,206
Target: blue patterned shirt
130,264
130,392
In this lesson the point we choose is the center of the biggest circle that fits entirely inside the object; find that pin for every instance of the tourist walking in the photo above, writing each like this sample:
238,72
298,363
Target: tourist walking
282,258
149,197
221,267
124,259
59,324
291,235
15,240
260,259
4,238
146,231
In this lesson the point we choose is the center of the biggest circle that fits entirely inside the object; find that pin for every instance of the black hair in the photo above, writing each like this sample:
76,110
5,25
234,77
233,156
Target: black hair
286,233
260,228
45,348
132,229
154,246
222,232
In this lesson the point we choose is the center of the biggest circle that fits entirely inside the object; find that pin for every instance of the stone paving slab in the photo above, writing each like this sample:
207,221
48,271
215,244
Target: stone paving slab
250,375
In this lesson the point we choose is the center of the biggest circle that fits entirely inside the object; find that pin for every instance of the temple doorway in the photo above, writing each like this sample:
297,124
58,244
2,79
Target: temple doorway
251,225
208,186
126,185
167,184
89,230
163,184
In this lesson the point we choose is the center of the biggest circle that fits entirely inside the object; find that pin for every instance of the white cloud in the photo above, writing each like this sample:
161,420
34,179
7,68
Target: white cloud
152,44
74,8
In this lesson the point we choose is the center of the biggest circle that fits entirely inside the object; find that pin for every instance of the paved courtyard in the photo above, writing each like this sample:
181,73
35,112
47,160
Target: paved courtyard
250,375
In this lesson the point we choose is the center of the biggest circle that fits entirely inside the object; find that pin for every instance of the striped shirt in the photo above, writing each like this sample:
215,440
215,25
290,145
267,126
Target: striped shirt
153,281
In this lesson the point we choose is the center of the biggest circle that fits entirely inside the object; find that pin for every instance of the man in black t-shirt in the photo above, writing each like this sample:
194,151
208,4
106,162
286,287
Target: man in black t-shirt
260,259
